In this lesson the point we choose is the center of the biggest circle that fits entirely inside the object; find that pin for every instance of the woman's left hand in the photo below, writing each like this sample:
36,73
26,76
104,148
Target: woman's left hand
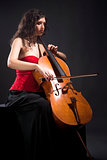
53,48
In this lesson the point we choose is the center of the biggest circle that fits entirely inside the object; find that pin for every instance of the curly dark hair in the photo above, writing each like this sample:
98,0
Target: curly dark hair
26,27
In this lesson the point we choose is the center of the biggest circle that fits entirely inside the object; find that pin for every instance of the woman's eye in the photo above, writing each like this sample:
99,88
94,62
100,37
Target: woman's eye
39,23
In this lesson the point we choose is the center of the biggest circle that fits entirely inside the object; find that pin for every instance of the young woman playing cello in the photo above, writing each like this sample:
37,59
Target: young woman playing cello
38,136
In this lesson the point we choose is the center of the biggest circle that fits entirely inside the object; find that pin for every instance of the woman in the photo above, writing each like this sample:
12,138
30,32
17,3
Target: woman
26,98
36,132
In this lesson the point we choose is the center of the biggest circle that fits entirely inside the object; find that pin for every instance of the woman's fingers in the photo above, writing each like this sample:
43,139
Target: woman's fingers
49,76
53,48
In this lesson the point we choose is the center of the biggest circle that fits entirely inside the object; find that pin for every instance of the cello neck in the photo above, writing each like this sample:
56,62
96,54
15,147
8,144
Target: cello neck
53,60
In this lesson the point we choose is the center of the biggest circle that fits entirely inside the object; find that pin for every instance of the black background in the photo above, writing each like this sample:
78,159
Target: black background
79,28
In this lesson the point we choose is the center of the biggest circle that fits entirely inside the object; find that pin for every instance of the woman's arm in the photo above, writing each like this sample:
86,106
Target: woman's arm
61,55
13,61
54,50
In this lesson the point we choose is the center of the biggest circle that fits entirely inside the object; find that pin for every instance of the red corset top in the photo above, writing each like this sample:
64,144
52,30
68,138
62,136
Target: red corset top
25,80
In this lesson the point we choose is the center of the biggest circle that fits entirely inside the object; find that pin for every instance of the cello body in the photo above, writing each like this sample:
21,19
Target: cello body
68,106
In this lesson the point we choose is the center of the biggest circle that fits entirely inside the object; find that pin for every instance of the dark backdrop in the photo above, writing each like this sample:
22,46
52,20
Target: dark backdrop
79,28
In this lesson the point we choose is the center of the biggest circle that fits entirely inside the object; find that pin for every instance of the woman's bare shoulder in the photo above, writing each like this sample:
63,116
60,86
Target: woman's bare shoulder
18,41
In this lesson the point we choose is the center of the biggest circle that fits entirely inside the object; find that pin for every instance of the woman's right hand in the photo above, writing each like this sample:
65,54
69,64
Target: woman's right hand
46,74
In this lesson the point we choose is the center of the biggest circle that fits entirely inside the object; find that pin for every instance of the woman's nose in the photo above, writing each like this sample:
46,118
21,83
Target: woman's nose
42,26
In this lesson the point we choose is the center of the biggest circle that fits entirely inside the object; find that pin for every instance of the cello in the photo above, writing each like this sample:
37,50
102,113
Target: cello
68,105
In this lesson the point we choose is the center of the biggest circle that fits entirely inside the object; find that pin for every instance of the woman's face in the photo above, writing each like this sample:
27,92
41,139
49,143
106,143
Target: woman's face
40,26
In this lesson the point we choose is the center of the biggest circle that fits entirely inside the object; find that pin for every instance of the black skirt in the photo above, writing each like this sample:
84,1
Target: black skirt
36,136
34,120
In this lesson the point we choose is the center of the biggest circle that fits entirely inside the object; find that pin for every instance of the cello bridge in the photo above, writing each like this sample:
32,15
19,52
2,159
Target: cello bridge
66,87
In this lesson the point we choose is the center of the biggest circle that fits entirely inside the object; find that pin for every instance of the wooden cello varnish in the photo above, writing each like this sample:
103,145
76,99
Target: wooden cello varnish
68,105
